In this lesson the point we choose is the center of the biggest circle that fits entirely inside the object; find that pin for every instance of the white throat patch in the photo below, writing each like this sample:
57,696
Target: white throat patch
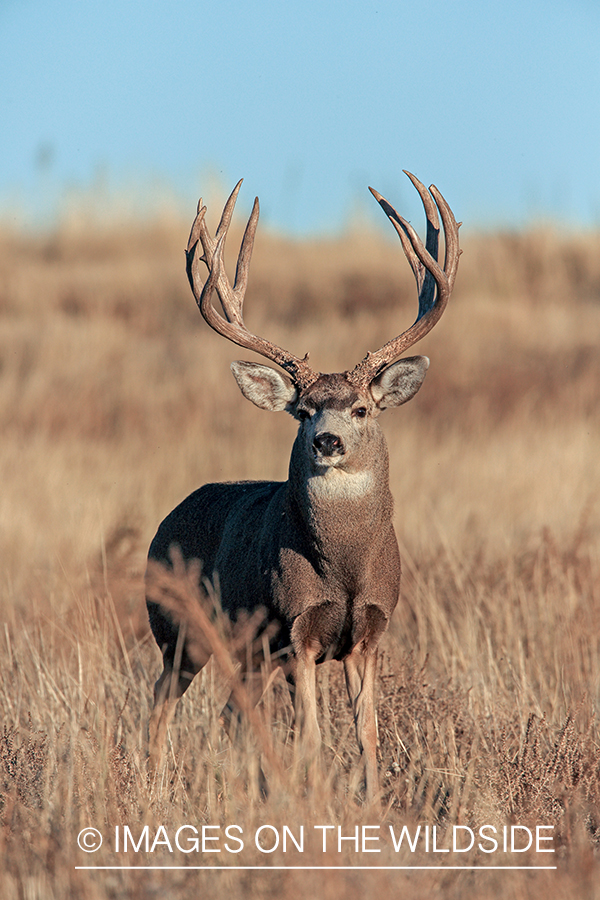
336,483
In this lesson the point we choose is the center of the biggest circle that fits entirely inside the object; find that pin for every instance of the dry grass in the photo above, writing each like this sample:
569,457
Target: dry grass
116,401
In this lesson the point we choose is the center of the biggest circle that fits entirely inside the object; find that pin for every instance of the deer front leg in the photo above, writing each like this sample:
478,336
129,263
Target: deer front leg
308,735
168,689
305,703
307,649
360,668
177,675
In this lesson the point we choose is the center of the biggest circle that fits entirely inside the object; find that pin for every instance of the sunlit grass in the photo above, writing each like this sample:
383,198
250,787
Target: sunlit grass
116,401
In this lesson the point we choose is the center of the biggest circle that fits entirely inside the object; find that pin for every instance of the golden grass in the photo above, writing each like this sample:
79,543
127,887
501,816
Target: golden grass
116,401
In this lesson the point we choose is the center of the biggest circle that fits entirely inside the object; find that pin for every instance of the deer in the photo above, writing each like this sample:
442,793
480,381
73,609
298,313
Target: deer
318,552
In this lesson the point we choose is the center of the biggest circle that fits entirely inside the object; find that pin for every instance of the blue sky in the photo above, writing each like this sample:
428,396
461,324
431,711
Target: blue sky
496,103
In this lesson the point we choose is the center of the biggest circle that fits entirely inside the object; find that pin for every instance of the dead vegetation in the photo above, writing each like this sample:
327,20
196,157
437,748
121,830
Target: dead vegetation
116,401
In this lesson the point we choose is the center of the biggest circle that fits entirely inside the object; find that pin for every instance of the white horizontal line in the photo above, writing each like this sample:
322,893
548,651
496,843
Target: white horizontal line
313,868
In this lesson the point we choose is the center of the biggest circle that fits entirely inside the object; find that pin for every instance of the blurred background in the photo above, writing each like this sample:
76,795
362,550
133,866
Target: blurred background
116,401
140,103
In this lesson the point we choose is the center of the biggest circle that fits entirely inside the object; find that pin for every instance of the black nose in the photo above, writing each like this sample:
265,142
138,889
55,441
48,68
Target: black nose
328,444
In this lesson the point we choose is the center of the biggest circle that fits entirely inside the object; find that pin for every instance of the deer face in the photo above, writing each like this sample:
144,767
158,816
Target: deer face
337,417
336,420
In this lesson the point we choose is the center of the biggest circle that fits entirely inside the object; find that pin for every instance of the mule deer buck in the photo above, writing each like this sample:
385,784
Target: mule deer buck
318,552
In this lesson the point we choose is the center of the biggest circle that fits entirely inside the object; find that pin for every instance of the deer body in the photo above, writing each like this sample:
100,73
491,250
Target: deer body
317,552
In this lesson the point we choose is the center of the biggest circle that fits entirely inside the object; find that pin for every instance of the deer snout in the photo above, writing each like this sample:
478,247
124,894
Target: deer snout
327,444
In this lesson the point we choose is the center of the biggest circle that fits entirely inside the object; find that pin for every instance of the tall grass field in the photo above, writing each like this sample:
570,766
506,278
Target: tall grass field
116,401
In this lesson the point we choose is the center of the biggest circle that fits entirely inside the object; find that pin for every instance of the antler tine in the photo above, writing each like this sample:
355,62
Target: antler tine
423,277
428,274
245,254
451,226
233,302
227,214
200,233
231,323
426,281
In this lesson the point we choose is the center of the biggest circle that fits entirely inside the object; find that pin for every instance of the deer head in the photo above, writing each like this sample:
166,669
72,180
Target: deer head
336,410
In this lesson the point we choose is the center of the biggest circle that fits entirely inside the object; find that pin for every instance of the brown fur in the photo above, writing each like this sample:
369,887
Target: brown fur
317,552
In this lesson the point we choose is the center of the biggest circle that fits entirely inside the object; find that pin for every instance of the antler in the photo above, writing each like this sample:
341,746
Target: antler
427,272
231,324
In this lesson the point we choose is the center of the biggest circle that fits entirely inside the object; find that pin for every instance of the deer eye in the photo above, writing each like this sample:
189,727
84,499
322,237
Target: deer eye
302,415
360,412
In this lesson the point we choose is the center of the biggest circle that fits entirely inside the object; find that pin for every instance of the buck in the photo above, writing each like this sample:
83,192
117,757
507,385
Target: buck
317,552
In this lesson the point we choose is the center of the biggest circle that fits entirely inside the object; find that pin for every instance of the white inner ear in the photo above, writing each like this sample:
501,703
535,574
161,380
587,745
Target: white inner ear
400,381
264,386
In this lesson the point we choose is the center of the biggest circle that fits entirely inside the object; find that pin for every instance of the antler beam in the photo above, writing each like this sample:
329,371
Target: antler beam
231,323
428,274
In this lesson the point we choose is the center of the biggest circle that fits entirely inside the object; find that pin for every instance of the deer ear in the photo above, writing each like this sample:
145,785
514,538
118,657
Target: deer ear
264,386
399,382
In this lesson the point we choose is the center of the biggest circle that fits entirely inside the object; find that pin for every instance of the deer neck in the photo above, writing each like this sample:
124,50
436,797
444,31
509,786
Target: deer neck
336,505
